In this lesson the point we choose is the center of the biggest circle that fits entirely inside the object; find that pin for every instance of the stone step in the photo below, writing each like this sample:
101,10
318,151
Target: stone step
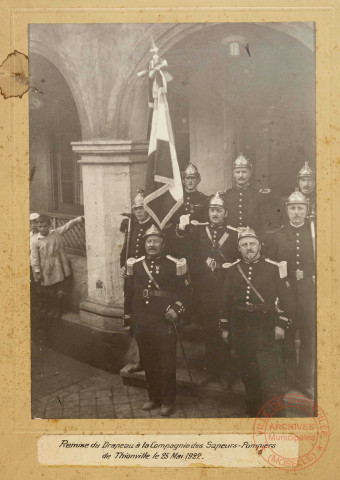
216,389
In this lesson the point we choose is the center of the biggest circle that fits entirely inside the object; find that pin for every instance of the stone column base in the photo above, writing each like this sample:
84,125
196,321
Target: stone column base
100,316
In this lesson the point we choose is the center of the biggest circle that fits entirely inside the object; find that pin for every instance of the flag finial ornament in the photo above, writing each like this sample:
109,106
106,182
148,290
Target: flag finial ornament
138,201
217,200
245,232
306,171
153,230
242,162
297,198
154,48
157,74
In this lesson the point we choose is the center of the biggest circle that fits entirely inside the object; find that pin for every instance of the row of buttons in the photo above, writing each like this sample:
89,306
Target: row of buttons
240,211
188,207
297,248
250,271
141,231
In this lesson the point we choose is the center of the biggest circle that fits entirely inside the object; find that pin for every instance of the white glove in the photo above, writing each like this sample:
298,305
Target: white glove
184,221
279,333
171,315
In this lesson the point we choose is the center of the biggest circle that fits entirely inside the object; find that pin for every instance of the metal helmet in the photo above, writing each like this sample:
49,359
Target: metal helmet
191,171
217,200
306,171
246,232
153,230
138,201
297,198
242,162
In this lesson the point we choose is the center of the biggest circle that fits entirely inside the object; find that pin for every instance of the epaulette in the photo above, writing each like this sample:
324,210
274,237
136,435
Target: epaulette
265,190
203,195
181,265
228,265
130,263
282,266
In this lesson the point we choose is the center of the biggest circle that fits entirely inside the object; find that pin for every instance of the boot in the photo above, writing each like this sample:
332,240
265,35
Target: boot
167,410
136,367
150,405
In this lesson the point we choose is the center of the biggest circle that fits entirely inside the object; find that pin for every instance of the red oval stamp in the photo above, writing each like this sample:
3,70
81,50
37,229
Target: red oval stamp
291,443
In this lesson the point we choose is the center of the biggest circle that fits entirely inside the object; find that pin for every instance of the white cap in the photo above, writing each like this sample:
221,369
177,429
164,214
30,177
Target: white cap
34,216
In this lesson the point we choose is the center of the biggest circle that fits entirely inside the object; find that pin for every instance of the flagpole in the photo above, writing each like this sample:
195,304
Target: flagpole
163,185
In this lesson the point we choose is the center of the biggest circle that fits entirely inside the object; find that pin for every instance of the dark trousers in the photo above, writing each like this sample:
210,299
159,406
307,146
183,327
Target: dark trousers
55,296
217,352
262,375
158,356
307,353
301,369
260,360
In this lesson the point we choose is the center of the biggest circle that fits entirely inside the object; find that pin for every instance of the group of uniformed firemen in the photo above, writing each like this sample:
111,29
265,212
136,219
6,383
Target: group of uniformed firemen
223,265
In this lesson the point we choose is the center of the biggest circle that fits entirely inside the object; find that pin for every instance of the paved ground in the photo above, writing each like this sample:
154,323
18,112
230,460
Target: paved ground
66,388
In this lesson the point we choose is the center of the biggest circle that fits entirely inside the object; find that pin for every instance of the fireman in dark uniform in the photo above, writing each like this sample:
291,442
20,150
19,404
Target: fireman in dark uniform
139,223
247,206
306,182
254,320
295,243
214,244
194,202
156,295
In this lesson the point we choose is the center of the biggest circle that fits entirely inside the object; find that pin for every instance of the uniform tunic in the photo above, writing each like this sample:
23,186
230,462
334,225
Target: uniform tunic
207,276
295,245
253,331
311,197
137,242
194,203
155,336
247,207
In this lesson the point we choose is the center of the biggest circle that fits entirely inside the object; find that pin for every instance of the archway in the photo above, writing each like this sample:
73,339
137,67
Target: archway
261,103
54,123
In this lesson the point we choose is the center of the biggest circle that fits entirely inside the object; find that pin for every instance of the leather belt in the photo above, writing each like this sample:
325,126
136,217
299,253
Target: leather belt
146,293
252,307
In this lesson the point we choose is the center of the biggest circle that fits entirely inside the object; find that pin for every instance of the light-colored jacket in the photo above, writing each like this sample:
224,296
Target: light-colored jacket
48,255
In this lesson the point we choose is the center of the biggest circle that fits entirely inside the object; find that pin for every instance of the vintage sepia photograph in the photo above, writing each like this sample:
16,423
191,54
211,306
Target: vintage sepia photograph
172,219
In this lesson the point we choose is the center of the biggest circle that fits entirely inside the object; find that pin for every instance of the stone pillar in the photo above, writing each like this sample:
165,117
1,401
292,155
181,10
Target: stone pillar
112,170
263,152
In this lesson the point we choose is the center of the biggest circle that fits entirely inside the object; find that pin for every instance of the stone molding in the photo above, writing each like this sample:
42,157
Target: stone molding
116,151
